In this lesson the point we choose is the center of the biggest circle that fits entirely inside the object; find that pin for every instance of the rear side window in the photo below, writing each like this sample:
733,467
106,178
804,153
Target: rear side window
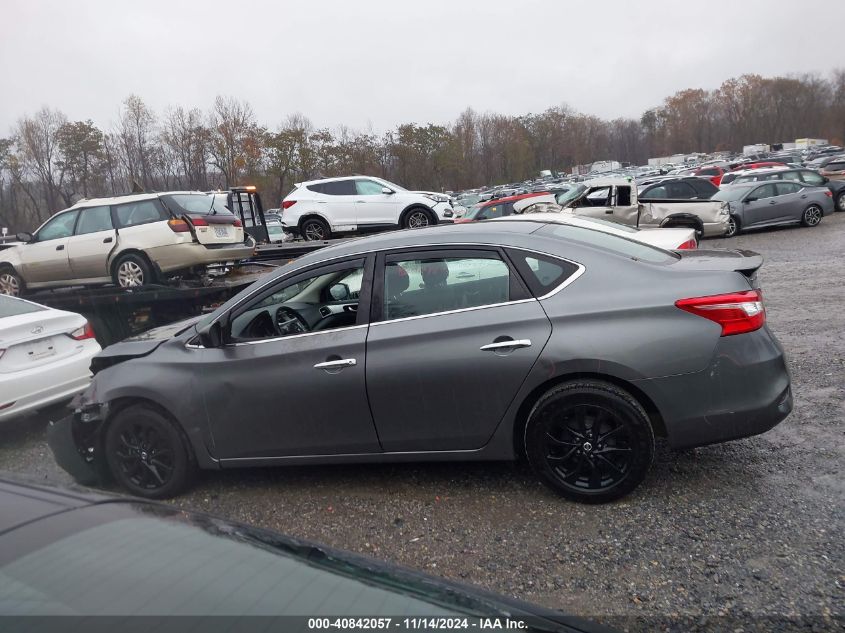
541,273
142,212
704,188
656,193
93,220
10,306
318,188
784,188
194,204
339,188
812,178
680,191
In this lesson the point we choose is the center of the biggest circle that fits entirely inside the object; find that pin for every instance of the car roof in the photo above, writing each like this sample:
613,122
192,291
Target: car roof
136,197
305,183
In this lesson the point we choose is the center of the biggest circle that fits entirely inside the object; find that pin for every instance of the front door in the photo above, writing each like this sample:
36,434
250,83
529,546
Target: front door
45,259
290,380
373,206
761,205
88,250
454,335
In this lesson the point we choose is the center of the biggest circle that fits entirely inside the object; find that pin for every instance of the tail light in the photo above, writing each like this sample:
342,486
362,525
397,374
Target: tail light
198,222
287,204
828,193
178,226
83,333
688,245
736,312
237,223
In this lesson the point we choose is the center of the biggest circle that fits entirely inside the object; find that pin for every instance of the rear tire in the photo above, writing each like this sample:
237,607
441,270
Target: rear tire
11,283
733,226
812,215
132,271
840,201
589,441
315,230
146,454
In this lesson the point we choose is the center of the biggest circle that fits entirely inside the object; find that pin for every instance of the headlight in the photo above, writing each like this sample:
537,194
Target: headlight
436,197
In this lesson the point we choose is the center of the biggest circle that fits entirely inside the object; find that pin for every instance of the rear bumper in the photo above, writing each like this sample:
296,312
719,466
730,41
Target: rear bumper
60,439
714,229
180,256
744,391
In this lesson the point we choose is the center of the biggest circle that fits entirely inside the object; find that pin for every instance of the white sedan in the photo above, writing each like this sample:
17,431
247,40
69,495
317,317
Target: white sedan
45,355
540,209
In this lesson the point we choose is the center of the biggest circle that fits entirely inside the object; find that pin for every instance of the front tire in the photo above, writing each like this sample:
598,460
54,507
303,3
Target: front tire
315,230
590,441
146,454
11,283
417,219
733,226
812,215
132,271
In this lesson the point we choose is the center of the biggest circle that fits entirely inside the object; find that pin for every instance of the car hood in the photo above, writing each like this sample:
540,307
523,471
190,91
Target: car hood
140,345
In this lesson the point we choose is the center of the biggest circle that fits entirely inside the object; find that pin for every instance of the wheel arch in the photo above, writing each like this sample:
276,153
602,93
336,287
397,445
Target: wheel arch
521,418
683,219
309,215
417,205
116,257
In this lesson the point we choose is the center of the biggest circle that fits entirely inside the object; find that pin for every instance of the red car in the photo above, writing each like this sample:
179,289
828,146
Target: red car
760,165
495,208
713,172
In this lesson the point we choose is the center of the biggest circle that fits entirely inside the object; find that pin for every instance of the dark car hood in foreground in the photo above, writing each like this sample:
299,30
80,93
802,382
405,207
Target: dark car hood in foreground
212,566
140,344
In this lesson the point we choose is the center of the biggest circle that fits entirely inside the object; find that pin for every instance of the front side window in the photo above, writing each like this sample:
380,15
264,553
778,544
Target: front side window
143,212
322,301
58,227
93,220
416,287
368,188
766,191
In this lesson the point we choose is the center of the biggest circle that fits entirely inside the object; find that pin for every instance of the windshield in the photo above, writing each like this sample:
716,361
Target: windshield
730,194
568,196
468,201
10,306
196,204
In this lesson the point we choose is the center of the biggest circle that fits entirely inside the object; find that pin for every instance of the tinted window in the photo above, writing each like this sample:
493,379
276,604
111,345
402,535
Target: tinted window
318,188
58,227
784,188
811,178
680,190
607,241
426,286
658,193
368,188
495,211
704,188
541,272
623,196
766,191
144,212
94,219
339,188
9,306
710,171
837,166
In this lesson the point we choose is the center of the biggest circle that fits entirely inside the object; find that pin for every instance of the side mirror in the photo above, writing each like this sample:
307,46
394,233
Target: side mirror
387,190
211,335
25,237
825,180
747,200
339,292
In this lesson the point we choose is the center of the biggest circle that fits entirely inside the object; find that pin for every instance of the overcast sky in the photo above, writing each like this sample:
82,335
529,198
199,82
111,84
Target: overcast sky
373,64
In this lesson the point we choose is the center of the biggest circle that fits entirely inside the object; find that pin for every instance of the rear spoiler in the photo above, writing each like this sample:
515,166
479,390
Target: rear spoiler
741,261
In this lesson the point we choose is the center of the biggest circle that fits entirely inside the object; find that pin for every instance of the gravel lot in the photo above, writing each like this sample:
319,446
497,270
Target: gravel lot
751,529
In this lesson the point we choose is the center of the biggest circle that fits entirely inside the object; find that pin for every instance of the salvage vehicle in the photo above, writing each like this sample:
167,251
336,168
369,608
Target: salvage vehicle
616,199
44,356
497,208
128,240
322,209
807,176
757,205
486,341
834,170
117,556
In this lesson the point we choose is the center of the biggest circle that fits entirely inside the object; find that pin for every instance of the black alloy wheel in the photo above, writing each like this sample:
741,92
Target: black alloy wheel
146,454
812,215
590,441
840,201
733,226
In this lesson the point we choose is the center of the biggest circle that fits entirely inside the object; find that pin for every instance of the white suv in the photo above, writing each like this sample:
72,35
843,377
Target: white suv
319,209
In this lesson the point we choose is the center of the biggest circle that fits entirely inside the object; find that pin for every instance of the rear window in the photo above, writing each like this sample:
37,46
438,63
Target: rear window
609,242
196,204
9,306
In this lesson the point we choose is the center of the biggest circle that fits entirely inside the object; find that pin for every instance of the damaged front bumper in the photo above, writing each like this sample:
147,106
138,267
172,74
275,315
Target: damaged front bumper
76,444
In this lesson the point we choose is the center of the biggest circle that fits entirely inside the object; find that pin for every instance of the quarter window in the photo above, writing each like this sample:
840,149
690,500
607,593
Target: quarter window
93,220
812,178
140,212
58,227
416,287
541,272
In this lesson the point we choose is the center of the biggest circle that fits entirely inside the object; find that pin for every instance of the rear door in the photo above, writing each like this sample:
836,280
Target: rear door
791,201
88,250
45,259
341,197
455,334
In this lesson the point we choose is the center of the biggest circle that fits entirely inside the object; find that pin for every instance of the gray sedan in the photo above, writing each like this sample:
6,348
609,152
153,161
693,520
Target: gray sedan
755,205
570,347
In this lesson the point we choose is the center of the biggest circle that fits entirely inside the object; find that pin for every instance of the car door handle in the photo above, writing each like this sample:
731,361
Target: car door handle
108,240
773,202
337,364
492,347
804,196
60,247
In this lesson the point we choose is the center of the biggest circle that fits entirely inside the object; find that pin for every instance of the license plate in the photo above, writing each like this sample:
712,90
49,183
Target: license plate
39,351
221,231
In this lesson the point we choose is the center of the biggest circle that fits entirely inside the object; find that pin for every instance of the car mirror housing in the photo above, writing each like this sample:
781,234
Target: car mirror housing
339,292
211,335
387,190
25,237
749,200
